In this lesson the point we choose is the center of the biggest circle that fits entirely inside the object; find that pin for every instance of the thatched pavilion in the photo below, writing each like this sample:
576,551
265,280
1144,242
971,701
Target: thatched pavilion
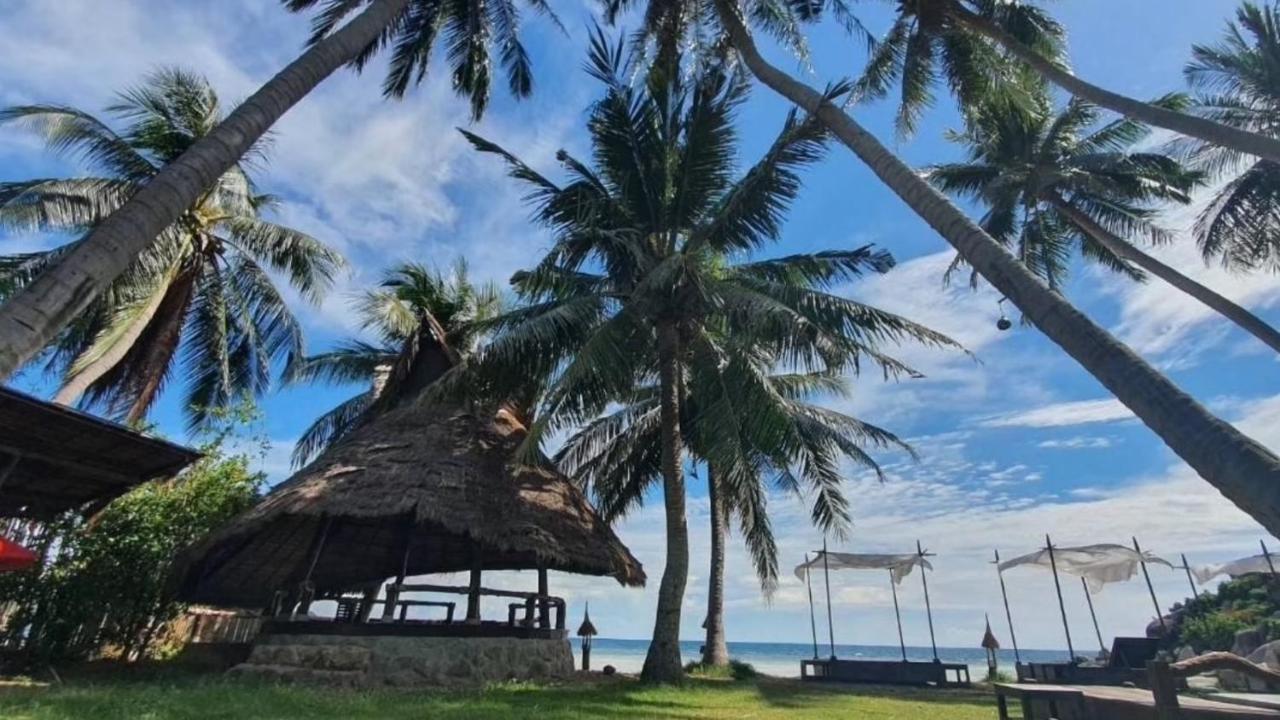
418,489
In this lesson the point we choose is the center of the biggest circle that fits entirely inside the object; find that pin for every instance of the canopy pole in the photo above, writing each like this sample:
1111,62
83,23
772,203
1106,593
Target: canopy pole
1097,630
1195,592
813,623
826,577
902,642
1062,606
1008,615
928,609
1266,554
1147,576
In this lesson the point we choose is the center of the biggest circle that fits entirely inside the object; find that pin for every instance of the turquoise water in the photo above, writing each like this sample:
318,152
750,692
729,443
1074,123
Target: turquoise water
783,659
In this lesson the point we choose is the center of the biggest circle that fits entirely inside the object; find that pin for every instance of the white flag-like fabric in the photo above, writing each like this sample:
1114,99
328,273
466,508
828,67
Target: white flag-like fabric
1099,565
900,564
1235,568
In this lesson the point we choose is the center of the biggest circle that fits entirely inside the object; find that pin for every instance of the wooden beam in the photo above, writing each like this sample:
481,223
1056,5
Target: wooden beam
473,591
544,609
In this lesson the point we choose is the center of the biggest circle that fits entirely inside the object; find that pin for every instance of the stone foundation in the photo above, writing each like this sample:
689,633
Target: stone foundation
365,661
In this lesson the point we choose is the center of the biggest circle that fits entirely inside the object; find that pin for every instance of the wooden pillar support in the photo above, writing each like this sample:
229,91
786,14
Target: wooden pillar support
1062,606
473,591
1004,593
928,607
826,576
813,623
544,609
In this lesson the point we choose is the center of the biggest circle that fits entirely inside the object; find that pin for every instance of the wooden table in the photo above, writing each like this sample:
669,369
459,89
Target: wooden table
1099,702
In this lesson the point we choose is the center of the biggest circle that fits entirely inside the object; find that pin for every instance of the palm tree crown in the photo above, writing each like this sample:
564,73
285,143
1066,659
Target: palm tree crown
393,312
467,28
1238,84
1025,166
201,294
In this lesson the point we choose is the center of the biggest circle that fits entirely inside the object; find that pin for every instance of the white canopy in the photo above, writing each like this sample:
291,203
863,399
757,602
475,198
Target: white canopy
900,564
1235,568
1097,564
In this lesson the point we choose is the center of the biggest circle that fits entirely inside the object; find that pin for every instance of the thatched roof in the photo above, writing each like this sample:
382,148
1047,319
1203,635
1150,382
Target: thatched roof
989,641
442,475
587,629
54,458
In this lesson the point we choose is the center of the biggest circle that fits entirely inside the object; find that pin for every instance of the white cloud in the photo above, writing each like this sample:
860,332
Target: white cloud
1081,412
1079,442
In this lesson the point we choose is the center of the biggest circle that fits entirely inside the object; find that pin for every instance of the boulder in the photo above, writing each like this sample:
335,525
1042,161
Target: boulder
1268,656
1247,641
1185,653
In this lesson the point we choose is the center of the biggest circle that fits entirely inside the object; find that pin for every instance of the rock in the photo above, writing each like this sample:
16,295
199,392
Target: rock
1269,656
1185,653
609,670
1247,641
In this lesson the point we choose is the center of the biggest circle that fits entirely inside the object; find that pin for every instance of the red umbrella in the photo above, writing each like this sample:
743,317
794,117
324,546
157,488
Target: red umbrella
15,557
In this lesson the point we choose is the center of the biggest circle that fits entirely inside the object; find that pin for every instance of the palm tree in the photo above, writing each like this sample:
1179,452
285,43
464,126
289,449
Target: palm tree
1241,468
32,318
200,294
637,285
408,294
951,38
616,458
1051,182
1238,84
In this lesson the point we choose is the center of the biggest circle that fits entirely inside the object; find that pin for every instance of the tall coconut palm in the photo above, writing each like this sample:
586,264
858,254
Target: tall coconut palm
1239,467
1054,182
1238,84
638,273
953,39
200,295
393,312
33,317
616,458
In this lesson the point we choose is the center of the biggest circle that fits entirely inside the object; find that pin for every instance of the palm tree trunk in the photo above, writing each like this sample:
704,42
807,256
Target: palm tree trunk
1189,125
37,313
715,651
1244,319
1244,471
662,663
160,348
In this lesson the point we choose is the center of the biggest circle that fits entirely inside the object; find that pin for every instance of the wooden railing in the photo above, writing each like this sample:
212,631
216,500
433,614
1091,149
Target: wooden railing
537,606
1165,677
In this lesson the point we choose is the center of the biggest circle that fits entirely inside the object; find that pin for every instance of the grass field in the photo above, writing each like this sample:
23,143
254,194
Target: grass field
213,697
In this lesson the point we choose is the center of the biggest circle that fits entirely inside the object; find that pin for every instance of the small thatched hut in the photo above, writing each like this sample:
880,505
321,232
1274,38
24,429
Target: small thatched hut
417,489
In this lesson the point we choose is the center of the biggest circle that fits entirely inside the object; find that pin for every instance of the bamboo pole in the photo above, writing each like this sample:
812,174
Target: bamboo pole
1195,592
928,608
1017,657
1097,630
1062,606
897,614
1147,576
826,577
813,623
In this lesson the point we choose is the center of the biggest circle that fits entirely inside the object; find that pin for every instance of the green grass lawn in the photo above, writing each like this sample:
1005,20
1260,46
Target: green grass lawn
153,698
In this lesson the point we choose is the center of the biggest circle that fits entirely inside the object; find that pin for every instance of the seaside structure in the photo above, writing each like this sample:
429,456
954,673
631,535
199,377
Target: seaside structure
903,672
586,631
991,645
418,489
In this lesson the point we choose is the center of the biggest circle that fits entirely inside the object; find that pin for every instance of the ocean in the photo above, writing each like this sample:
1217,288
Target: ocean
783,659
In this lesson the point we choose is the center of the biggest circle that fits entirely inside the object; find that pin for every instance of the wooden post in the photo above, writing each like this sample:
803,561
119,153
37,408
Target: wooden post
902,642
406,544
473,592
1164,690
826,576
1017,658
813,623
317,547
586,653
1094,616
1164,631
1062,607
928,608
1267,555
544,610
1195,593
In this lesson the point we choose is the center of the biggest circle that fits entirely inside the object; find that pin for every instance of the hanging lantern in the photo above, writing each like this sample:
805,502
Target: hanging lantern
991,645
14,556
586,631
1004,323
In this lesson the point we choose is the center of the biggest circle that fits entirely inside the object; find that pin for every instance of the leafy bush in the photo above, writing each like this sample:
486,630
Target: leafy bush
1211,621
1214,632
735,670
107,581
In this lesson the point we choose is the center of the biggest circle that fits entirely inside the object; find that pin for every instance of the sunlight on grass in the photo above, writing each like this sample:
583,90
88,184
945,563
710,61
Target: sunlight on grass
218,698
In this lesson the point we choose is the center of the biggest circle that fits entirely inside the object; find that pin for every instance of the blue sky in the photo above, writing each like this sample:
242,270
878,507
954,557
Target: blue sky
1015,442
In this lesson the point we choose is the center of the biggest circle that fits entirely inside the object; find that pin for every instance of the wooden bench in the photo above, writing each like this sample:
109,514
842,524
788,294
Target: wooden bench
886,672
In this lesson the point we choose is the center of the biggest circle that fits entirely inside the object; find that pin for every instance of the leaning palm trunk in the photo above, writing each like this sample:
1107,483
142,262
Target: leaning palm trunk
1244,471
1244,319
35,315
1189,125
715,651
662,663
